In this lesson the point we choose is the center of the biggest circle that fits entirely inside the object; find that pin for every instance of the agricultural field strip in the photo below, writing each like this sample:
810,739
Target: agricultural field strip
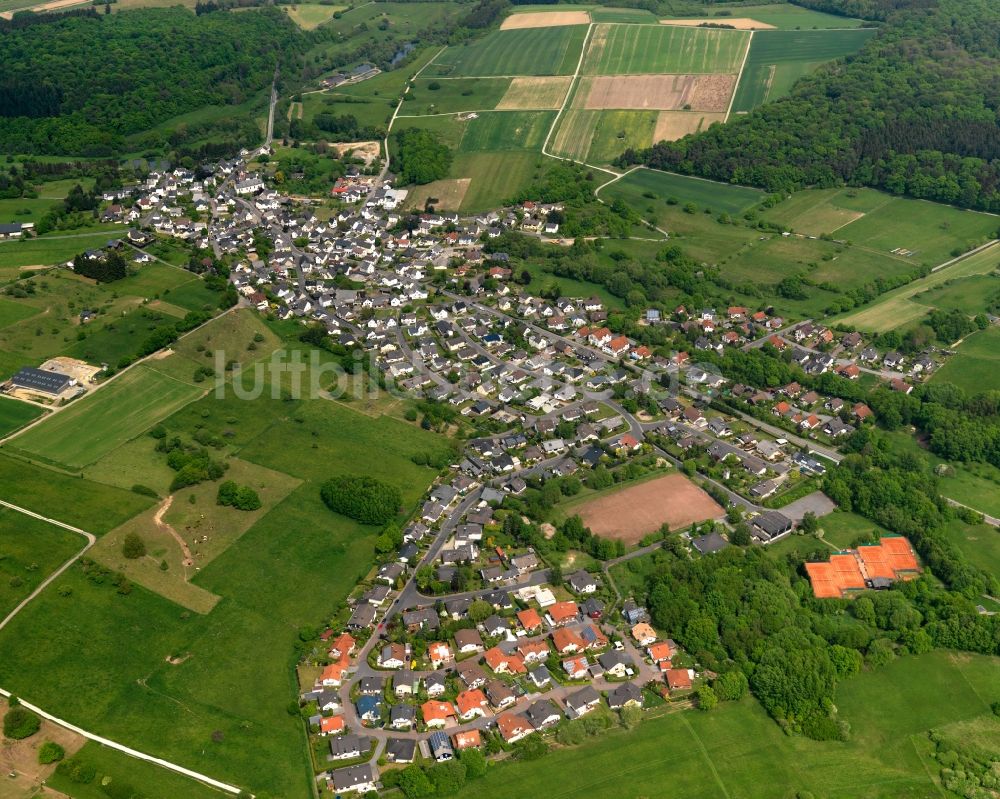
739,76
569,93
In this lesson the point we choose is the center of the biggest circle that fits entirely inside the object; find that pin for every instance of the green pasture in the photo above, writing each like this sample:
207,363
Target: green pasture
976,365
648,185
507,130
15,414
789,17
451,96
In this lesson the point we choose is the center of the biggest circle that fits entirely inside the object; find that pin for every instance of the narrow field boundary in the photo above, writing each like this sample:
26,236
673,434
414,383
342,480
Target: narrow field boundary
739,76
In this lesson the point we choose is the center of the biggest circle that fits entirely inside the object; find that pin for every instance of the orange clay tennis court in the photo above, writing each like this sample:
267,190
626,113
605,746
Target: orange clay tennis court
631,513
891,559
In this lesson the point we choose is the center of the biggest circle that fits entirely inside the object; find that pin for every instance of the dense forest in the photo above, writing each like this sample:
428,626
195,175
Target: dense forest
915,112
80,84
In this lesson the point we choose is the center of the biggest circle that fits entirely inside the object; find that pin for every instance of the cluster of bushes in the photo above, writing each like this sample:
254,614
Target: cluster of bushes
439,779
193,464
237,496
365,499
19,722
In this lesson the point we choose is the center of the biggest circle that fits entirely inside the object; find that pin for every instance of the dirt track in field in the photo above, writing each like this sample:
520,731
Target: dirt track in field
738,23
631,513
659,92
545,19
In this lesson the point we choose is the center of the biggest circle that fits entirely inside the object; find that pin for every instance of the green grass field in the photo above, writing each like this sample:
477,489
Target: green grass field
617,131
530,51
499,152
90,506
30,550
495,177
222,710
649,49
719,197
460,94
979,543
15,414
932,232
897,308
632,15
506,130
737,751
970,295
12,311
778,58
541,279
404,19
120,769
95,425
976,365
841,528
48,251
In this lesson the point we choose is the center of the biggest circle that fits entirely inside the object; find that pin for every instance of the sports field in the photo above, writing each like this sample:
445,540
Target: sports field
897,307
655,49
736,751
628,514
527,51
778,58
924,232
976,365
720,197
96,424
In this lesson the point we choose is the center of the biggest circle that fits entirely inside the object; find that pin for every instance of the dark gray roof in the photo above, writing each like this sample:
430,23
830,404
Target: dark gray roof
41,380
